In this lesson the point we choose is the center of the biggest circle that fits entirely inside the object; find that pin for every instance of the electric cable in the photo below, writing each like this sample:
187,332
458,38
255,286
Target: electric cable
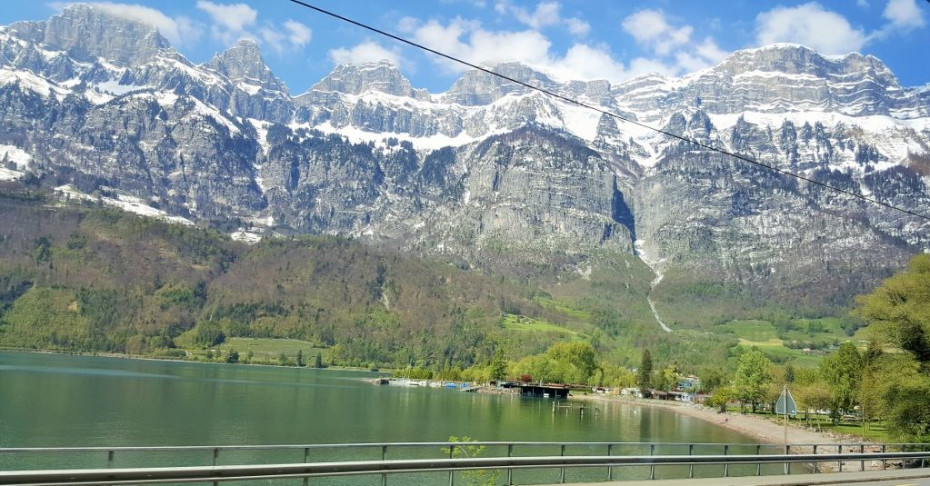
608,113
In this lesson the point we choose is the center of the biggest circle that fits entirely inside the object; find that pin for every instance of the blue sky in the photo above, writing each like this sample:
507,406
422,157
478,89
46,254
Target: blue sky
571,39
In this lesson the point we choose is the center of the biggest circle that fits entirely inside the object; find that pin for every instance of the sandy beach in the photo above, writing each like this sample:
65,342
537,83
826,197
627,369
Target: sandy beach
767,431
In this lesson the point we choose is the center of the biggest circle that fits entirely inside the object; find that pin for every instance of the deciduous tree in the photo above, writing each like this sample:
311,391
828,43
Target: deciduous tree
752,378
842,372
899,311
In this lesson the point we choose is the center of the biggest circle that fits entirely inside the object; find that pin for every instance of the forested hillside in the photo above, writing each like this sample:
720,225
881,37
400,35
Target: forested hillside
84,278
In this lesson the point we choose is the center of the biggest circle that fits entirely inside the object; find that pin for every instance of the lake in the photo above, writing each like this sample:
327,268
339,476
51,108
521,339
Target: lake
49,400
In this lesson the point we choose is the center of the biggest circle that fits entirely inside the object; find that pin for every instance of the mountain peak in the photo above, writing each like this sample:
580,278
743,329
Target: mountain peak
478,87
243,62
87,32
381,76
799,59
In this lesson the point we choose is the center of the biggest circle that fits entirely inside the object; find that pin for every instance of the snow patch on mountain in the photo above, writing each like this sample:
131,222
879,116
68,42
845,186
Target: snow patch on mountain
29,81
359,135
125,202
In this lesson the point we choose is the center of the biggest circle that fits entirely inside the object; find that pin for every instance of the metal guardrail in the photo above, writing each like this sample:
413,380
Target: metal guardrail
100,477
210,470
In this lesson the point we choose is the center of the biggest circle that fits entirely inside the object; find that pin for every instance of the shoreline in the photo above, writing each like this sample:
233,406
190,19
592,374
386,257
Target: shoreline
766,431
165,359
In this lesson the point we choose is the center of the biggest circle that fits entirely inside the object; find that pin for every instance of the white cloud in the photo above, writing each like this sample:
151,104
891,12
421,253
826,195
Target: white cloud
407,25
652,30
904,14
468,41
709,50
178,30
299,34
577,26
674,50
270,37
811,25
546,14
232,22
366,52
229,21
586,62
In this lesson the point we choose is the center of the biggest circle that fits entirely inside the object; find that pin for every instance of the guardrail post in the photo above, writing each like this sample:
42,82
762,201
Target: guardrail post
758,464
726,465
562,470
652,468
884,461
610,470
816,464
691,466
216,455
509,469
452,473
383,458
110,459
862,462
839,450
306,460
787,464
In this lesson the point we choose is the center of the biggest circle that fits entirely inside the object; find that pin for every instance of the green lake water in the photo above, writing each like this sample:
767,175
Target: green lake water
49,400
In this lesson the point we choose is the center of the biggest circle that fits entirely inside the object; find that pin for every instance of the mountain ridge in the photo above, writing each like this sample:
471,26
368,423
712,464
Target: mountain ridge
489,174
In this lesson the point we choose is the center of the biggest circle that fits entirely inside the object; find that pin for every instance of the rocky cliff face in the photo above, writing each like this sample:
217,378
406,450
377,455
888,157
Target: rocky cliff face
490,168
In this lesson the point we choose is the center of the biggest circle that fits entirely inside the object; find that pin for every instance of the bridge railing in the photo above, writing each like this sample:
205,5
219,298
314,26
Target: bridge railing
226,463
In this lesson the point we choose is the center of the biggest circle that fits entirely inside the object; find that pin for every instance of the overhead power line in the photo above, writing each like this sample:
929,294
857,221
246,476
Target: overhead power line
608,113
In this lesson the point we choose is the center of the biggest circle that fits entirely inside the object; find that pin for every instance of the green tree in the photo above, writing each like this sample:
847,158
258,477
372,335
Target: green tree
300,358
644,373
721,397
498,365
906,401
209,333
282,359
789,373
318,360
870,386
842,371
41,252
713,377
233,356
752,378
571,362
898,311
669,377
812,396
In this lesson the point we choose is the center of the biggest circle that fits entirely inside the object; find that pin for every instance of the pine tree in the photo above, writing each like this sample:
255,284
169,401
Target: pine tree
644,374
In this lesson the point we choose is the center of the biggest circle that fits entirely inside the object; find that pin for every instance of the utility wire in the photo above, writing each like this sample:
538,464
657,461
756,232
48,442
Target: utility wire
606,112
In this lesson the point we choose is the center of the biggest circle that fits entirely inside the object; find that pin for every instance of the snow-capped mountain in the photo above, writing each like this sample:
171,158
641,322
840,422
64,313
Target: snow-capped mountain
489,167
